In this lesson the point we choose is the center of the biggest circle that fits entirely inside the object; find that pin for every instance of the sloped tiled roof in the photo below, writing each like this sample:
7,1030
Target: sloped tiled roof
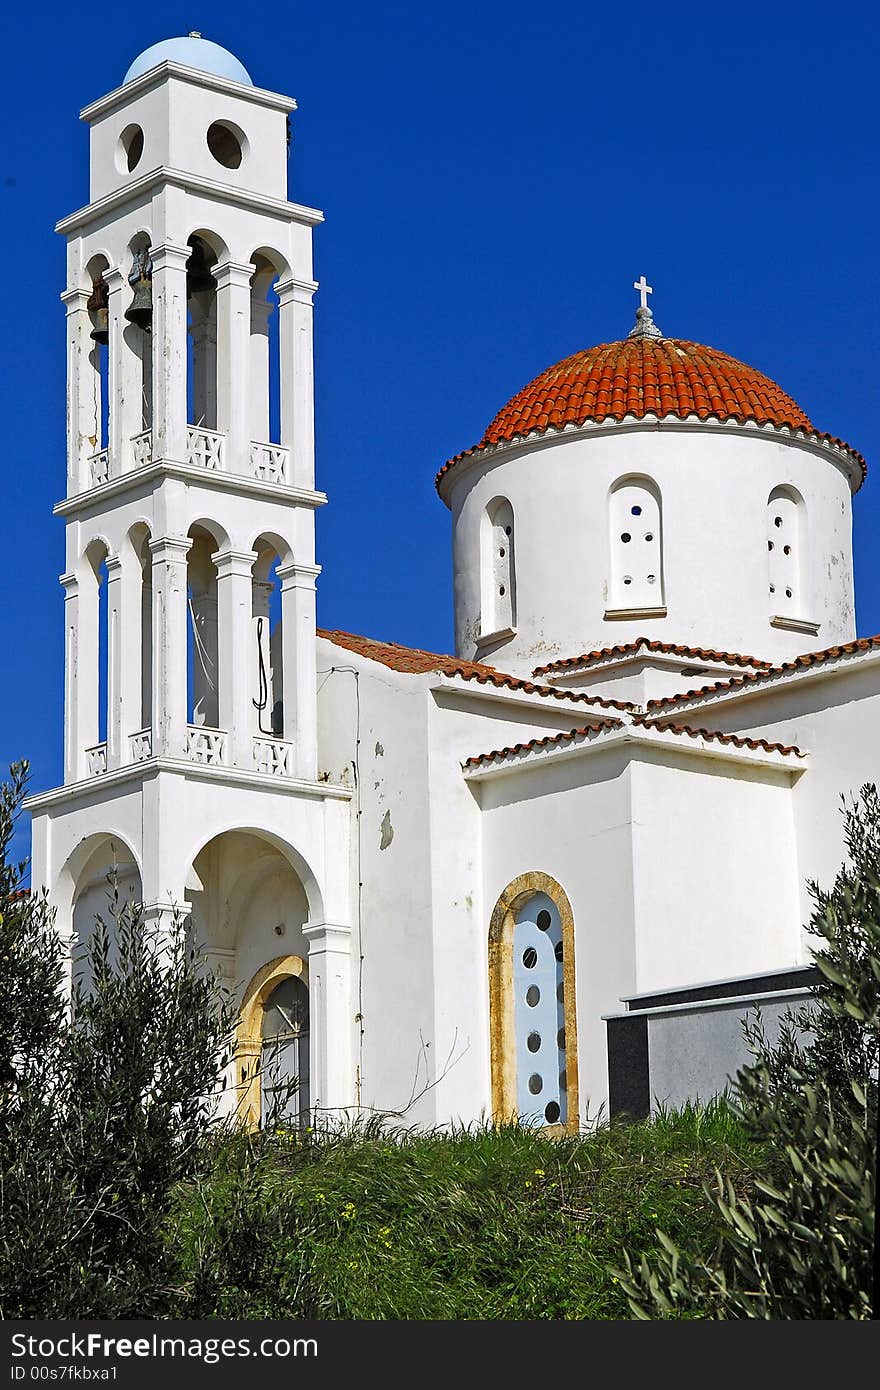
651,645
584,732
748,678
414,661
636,377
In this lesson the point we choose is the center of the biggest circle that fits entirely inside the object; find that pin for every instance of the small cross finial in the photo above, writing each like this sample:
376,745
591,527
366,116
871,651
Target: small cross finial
644,290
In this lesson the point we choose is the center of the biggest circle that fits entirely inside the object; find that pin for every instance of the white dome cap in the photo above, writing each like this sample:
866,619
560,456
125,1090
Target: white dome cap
194,52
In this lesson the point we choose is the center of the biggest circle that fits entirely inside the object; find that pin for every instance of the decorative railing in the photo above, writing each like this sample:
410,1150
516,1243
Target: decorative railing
142,449
140,746
204,448
274,756
99,466
206,746
269,462
96,758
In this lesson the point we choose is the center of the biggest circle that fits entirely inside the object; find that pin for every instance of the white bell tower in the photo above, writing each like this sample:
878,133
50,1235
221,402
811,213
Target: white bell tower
190,682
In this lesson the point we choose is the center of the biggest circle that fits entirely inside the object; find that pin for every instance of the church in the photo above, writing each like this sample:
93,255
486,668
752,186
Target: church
544,877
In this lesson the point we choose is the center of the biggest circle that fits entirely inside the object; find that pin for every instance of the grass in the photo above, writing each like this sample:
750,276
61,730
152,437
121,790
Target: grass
475,1224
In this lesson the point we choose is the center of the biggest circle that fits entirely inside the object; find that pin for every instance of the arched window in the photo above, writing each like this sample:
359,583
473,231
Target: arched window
786,554
93,671
636,543
202,649
201,376
284,1062
267,650
533,1019
497,572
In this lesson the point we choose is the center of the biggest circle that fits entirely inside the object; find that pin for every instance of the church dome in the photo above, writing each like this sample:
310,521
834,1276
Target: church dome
642,375
194,52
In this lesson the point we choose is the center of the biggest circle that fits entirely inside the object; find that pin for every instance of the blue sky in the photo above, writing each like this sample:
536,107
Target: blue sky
494,179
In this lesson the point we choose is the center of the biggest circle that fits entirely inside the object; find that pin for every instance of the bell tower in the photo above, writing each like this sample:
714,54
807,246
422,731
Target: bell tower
189,584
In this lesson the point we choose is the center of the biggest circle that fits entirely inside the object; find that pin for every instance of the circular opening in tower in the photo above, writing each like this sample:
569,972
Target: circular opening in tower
226,143
130,149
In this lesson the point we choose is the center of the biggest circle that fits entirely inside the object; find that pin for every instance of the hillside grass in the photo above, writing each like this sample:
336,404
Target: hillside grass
479,1223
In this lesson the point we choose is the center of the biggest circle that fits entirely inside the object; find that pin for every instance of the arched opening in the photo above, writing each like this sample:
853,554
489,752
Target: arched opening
267,647
787,554
94,654
104,879
96,383
202,662
249,908
635,527
533,1017
140,647
497,571
265,368
201,378
137,339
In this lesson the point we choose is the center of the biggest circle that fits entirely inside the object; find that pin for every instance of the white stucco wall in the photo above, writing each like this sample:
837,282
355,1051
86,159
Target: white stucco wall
714,482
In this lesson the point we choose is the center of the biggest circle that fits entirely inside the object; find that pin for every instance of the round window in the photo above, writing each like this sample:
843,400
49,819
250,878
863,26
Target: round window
129,149
227,144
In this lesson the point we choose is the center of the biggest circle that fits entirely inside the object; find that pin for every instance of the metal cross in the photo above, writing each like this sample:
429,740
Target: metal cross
644,290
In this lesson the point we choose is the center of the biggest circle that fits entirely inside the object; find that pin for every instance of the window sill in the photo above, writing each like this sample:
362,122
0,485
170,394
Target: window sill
500,634
795,625
613,614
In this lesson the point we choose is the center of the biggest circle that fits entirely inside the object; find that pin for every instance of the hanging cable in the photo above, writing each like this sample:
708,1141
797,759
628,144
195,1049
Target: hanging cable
263,698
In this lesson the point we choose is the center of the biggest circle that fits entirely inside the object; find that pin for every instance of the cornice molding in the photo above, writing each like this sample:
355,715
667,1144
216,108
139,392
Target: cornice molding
189,473
141,190
120,96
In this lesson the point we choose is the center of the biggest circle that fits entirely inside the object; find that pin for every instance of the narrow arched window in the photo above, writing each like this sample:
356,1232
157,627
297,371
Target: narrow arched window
532,1009
786,554
284,1063
635,525
497,572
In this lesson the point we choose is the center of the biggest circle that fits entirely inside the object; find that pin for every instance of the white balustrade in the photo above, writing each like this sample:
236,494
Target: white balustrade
204,745
269,462
142,449
204,448
140,746
97,759
273,756
99,465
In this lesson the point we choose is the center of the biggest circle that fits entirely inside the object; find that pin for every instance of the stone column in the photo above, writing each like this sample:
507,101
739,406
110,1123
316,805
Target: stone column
235,663
298,665
233,353
169,351
116,661
169,645
82,421
330,1016
74,758
297,385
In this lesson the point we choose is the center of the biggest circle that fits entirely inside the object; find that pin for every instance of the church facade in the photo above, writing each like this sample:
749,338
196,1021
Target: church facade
542,877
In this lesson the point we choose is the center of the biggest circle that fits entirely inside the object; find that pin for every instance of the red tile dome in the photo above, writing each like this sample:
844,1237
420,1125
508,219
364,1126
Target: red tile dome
643,376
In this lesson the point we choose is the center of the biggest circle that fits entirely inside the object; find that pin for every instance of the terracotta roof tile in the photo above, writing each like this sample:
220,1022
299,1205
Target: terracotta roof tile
646,376
785,668
585,731
651,645
415,662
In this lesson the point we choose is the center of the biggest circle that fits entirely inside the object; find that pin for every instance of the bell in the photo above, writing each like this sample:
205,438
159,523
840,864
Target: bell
97,305
140,310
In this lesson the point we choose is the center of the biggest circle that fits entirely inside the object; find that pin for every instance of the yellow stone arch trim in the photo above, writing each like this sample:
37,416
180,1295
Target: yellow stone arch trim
248,1033
501,1021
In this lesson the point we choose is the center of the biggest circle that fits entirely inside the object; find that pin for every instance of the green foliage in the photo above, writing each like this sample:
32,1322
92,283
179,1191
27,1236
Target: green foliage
801,1246
474,1224
105,1106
